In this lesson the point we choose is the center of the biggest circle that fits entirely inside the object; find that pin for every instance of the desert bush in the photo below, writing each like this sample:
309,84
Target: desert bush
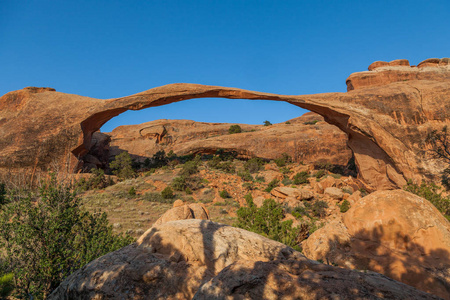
254,165
234,129
121,166
132,191
47,237
301,177
167,193
320,174
267,221
246,176
267,123
155,197
260,179
248,186
311,122
6,285
224,194
3,199
318,208
345,206
179,183
190,167
431,193
273,184
286,181
283,160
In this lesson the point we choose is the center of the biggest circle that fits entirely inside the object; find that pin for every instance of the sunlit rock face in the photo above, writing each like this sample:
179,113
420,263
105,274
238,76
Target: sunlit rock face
394,233
199,259
386,120
308,139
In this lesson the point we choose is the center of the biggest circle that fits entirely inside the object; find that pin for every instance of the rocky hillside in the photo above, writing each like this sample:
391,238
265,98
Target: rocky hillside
394,233
306,139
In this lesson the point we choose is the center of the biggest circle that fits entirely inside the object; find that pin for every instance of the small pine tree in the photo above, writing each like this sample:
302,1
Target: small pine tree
122,166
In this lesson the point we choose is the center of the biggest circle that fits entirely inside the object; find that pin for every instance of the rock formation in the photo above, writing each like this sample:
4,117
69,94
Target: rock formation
394,233
309,143
204,260
181,211
386,119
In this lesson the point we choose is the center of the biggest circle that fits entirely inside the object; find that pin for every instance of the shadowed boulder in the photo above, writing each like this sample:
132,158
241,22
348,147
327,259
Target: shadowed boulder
206,260
394,233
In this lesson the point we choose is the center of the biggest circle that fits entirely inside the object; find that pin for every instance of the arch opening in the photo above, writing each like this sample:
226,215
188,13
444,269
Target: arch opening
297,135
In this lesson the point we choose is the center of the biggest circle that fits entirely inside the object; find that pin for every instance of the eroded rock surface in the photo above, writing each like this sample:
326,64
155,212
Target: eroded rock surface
386,121
181,211
395,233
308,139
205,260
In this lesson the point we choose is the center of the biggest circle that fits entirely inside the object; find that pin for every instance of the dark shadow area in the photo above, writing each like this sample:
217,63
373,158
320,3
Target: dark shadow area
395,255
213,261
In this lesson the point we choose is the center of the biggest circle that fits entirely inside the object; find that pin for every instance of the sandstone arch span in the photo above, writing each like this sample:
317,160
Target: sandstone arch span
386,114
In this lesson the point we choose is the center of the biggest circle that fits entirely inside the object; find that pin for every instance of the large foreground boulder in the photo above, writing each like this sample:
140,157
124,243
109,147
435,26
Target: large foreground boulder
395,233
205,260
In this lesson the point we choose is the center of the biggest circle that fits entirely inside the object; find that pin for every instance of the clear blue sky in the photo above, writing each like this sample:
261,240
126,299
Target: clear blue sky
107,49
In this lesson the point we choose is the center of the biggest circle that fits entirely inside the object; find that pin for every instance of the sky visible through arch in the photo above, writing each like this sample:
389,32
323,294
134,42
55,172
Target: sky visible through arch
108,49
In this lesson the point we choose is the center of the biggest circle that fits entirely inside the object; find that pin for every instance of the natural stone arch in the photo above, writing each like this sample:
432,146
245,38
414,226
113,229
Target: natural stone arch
386,115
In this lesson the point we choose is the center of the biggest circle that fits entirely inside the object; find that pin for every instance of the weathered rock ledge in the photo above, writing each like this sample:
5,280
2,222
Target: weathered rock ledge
204,260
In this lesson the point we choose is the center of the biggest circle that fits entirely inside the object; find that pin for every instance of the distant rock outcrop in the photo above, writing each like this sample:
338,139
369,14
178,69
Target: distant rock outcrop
306,139
205,260
394,233
386,114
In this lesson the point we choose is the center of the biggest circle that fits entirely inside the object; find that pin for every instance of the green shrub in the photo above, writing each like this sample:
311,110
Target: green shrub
274,183
286,181
311,122
188,191
320,174
267,123
267,221
167,193
132,191
283,160
287,123
246,176
285,170
191,167
300,211
234,129
254,165
47,237
260,179
155,197
345,206
179,183
224,194
121,166
301,178
431,193
217,163
3,199
6,285
318,208
248,186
